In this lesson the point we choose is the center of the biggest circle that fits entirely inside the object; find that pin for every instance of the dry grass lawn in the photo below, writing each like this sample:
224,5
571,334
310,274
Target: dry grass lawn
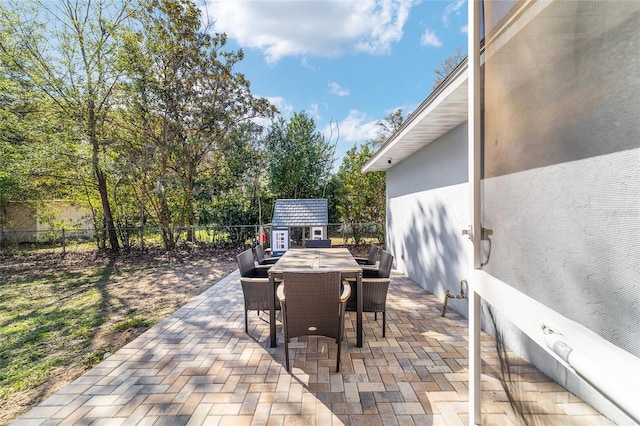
60,315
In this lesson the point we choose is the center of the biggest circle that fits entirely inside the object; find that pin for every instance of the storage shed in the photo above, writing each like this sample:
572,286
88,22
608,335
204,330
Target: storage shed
310,217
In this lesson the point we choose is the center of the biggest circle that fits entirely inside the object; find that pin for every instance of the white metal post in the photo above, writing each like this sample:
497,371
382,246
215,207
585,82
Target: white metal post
474,136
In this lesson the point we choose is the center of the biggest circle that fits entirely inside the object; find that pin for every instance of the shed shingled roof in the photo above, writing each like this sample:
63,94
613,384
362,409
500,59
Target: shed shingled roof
305,212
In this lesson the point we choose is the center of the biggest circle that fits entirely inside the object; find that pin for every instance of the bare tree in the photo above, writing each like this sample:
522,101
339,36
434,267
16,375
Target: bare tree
448,65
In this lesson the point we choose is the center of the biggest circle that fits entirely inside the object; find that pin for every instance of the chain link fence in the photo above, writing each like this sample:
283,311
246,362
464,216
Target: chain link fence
223,237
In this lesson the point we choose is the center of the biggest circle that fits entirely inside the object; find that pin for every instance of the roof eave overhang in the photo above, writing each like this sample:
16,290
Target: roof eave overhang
442,111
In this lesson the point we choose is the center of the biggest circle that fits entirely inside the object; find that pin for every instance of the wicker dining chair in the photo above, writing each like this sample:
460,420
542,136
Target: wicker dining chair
248,267
313,304
258,251
375,286
371,258
383,270
256,296
255,286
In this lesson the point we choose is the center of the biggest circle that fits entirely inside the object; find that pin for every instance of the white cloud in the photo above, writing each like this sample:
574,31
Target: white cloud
455,6
336,89
323,28
314,110
305,63
429,38
452,8
286,109
353,128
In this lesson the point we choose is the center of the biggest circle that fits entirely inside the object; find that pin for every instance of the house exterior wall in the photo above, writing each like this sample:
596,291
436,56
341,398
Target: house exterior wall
560,191
573,247
64,215
427,208
565,235
25,222
561,181
19,223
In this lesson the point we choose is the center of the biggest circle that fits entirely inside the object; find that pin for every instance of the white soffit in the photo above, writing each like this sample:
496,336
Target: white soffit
442,111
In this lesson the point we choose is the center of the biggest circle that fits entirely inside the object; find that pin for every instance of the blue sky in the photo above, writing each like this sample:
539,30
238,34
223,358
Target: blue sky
348,63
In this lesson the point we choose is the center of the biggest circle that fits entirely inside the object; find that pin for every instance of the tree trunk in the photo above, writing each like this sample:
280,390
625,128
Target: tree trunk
102,180
168,236
190,215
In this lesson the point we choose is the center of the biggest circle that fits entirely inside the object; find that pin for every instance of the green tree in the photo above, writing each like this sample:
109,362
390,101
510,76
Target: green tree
386,127
360,197
234,192
15,184
67,50
34,150
300,158
190,107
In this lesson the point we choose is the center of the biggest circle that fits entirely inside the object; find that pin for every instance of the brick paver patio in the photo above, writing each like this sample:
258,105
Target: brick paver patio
199,367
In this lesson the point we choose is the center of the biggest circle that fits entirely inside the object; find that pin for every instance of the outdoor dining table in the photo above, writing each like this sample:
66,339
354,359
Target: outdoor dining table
316,259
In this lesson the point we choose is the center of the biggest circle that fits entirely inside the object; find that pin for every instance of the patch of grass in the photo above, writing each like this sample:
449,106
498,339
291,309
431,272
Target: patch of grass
94,357
60,315
133,322
20,378
46,319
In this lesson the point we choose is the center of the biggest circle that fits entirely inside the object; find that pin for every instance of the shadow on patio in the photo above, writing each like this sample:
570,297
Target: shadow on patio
199,367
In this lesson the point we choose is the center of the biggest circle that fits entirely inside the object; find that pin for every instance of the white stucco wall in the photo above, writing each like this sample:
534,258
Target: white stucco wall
566,235
560,191
561,188
574,219
427,208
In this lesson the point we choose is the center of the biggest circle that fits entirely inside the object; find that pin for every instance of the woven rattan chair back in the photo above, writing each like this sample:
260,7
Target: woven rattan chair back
312,307
312,300
318,243
374,291
262,259
373,254
259,252
386,263
256,296
248,268
246,264
370,260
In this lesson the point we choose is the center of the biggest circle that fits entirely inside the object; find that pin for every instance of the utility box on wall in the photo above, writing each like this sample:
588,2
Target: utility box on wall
279,241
